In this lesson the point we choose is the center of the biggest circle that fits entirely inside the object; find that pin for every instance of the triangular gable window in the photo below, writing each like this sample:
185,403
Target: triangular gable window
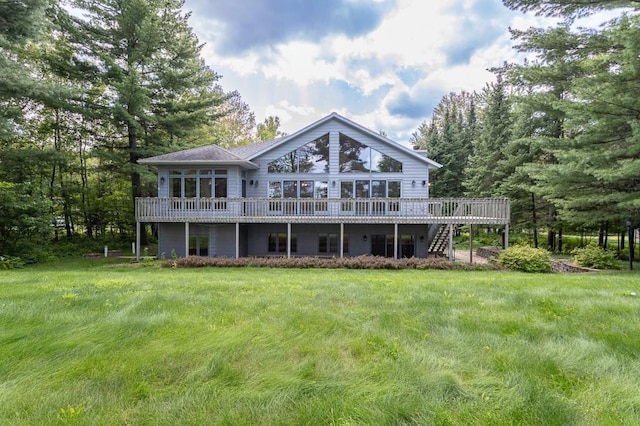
312,157
356,157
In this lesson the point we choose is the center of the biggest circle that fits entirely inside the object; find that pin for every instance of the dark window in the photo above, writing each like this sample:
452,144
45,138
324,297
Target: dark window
328,243
277,242
198,245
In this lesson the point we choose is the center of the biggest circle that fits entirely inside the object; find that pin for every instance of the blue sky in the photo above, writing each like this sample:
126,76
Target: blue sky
382,63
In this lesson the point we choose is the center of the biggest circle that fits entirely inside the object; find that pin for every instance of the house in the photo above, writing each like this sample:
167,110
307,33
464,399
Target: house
333,188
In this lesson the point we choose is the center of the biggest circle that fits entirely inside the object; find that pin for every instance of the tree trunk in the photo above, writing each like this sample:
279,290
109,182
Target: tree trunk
83,189
601,235
535,220
560,240
136,185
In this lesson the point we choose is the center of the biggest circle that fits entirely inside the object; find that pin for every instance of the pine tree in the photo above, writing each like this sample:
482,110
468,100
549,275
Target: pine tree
567,8
482,174
143,60
447,138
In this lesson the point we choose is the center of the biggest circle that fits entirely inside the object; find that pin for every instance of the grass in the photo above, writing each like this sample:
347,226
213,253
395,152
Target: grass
95,343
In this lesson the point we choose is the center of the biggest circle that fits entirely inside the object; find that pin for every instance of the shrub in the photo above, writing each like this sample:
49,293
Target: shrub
593,256
570,243
357,262
525,259
10,262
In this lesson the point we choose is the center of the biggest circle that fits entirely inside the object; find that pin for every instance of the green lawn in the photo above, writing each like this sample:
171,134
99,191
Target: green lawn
89,343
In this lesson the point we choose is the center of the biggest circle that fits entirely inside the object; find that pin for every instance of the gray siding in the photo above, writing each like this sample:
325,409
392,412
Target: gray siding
413,168
171,237
222,240
254,238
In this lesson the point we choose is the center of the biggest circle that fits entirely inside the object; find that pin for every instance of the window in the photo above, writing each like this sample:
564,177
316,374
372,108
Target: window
356,157
221,183
321,192
393,191
312,157
299,190
277,242
328,243
198,245
383,245
197,183
346,191
275,191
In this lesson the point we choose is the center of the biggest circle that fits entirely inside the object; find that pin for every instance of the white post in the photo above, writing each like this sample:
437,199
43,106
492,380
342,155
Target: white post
506,236
289,240
470,243
341,240
395,240
186,239
133,247
106,251
237,240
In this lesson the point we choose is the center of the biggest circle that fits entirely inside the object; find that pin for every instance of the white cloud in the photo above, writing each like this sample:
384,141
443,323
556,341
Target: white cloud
362,77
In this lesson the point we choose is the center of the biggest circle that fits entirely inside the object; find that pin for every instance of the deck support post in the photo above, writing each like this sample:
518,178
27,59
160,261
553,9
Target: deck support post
186,239
506,236
137,241
395,241
341,242
451,242
237,240
470,243
288,240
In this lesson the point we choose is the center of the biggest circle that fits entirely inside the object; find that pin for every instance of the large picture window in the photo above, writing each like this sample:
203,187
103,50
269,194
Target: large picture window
316,192
365,189
312,157
197,183
356,157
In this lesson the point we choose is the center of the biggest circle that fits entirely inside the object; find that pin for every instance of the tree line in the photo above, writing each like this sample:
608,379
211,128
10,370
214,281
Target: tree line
558,134
88,87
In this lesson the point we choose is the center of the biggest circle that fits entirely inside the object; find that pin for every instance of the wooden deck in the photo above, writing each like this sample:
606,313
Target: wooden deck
487,211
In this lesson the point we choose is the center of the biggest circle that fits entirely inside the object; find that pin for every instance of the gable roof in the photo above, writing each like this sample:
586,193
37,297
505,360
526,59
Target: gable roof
418,155
243,155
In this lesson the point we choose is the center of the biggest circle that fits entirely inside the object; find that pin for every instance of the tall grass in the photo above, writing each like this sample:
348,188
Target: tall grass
122,345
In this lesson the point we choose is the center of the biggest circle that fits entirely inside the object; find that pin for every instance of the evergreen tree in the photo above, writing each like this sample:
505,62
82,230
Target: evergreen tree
567,8
482,174
597,175
447,138
22,25
545,83
144,60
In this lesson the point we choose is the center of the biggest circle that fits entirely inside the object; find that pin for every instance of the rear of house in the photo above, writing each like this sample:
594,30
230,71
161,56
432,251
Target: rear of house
334,188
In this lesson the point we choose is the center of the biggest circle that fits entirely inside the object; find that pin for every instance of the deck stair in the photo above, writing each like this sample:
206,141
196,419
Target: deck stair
440,242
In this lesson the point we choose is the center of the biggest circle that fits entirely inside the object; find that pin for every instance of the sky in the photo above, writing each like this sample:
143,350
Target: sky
384,64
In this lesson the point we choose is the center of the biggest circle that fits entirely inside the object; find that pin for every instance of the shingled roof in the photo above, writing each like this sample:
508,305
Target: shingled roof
209,154
248,151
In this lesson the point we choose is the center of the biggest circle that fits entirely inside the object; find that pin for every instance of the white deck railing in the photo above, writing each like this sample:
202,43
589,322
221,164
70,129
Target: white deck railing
328,210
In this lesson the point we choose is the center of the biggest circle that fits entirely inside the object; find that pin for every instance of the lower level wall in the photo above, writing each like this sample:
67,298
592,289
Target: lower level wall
254,239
